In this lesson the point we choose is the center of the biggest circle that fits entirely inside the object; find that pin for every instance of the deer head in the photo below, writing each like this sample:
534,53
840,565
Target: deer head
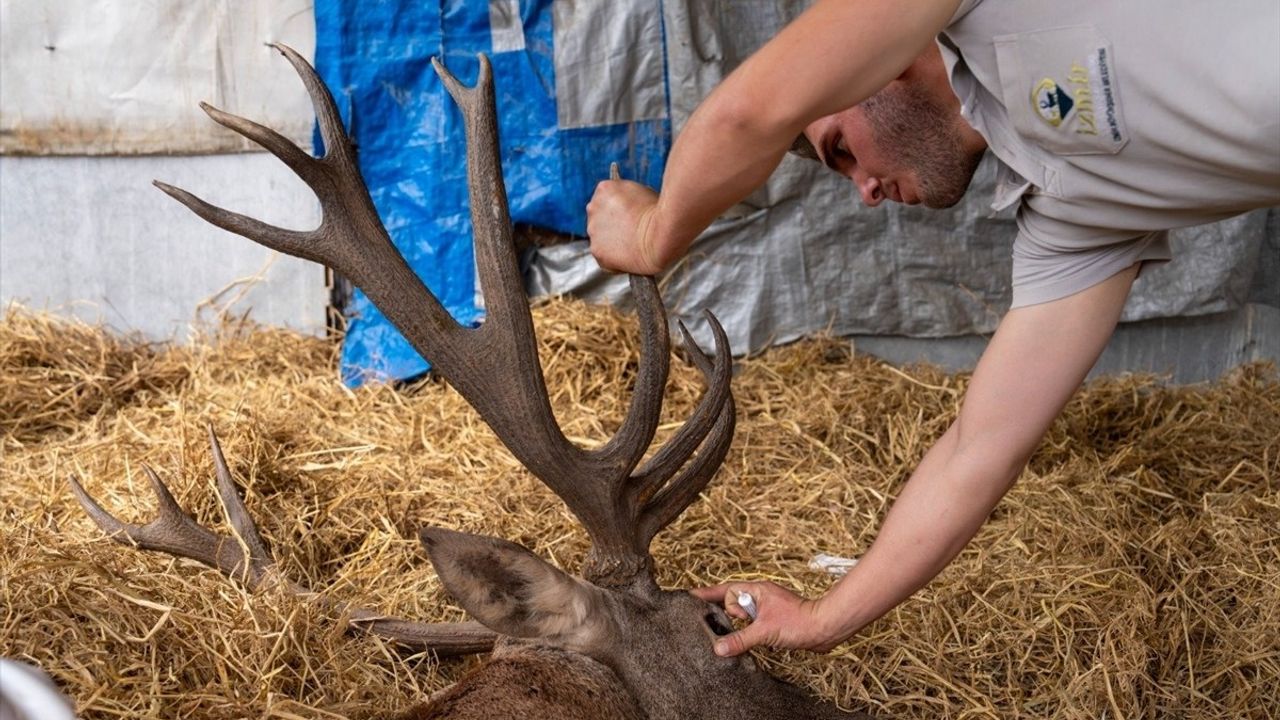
656,644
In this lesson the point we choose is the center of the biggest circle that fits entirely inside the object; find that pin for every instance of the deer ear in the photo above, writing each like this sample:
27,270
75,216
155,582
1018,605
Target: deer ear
516,593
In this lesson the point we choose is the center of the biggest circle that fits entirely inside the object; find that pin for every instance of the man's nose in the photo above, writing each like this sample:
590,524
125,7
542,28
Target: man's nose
869,188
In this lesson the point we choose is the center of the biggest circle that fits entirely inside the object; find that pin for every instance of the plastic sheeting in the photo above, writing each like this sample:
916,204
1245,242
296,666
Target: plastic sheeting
102,77
802,255
376,58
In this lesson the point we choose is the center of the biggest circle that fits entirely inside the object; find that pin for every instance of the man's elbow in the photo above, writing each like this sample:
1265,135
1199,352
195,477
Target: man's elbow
736,110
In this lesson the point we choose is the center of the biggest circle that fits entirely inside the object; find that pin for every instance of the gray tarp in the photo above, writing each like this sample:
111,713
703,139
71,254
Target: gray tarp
802,255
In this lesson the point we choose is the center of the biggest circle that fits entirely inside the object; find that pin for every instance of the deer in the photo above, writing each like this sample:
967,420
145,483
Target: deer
608,644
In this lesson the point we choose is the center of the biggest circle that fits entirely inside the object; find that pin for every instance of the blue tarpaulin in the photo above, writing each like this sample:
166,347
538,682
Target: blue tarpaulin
376,58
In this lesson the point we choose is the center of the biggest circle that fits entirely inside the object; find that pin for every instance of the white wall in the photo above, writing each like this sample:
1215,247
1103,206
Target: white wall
91,237
99,98
103,77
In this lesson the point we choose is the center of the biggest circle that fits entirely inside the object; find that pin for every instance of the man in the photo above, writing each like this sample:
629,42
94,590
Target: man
1112,122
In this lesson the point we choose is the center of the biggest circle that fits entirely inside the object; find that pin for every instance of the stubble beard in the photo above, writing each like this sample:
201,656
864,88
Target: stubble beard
909,124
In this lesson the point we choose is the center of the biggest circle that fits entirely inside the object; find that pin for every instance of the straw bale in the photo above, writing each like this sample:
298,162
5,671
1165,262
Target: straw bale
1133,571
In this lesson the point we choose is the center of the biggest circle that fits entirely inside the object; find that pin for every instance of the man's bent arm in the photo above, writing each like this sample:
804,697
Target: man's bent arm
1034,363
836,54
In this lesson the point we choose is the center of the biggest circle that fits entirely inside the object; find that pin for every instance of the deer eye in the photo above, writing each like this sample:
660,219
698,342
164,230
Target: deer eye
717,626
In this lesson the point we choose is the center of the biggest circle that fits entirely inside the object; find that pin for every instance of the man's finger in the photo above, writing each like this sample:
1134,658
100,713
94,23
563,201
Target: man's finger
713,594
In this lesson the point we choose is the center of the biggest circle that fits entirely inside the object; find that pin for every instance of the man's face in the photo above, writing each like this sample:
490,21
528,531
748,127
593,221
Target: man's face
901,144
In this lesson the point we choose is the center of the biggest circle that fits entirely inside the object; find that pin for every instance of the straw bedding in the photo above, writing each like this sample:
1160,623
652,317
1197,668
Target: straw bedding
1133,572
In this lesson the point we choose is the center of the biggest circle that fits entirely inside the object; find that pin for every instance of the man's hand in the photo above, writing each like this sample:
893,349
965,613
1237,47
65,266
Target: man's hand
783,619
620,224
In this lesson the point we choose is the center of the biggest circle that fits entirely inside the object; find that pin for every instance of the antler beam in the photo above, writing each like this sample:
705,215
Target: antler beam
496,366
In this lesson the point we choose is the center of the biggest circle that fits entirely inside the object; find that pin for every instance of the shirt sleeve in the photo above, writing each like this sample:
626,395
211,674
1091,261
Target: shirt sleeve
965,7
1054,259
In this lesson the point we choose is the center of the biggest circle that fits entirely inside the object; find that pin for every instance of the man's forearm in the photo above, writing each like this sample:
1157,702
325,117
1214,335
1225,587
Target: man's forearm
833,56
1036,360
938,512
706,176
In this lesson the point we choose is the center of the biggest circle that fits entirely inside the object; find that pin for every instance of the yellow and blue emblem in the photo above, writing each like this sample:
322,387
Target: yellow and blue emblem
1051,102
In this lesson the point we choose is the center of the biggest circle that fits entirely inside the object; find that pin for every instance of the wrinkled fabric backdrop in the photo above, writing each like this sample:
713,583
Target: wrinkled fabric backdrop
802,255
583,84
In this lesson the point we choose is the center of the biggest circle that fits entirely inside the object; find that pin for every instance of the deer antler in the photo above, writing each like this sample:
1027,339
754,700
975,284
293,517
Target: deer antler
496,366
245,557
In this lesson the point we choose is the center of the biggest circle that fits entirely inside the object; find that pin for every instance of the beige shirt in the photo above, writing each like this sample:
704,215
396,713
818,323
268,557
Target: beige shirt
1116,120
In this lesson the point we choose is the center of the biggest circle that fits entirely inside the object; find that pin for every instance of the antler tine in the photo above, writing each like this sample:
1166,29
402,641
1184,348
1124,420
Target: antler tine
631,441
650,504
173,532
509,323
532,434
683,489
336,142
282,147
232,504
675,452
351,238
506,305
449,639
245,557
115,529
303,244
292,242
629,444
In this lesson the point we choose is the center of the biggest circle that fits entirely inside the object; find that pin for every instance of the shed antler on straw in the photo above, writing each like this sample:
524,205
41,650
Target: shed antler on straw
244,556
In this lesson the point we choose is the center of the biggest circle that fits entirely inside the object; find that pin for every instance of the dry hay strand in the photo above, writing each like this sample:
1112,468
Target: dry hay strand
1133,571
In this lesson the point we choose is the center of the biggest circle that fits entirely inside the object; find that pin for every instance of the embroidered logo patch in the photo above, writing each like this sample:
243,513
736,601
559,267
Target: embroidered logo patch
1051,102
1088,92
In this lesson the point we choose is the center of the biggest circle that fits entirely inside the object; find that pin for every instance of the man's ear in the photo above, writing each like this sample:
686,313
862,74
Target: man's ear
802,147
514,592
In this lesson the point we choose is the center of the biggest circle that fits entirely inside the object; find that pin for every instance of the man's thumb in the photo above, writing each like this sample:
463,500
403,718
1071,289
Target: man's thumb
736,643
